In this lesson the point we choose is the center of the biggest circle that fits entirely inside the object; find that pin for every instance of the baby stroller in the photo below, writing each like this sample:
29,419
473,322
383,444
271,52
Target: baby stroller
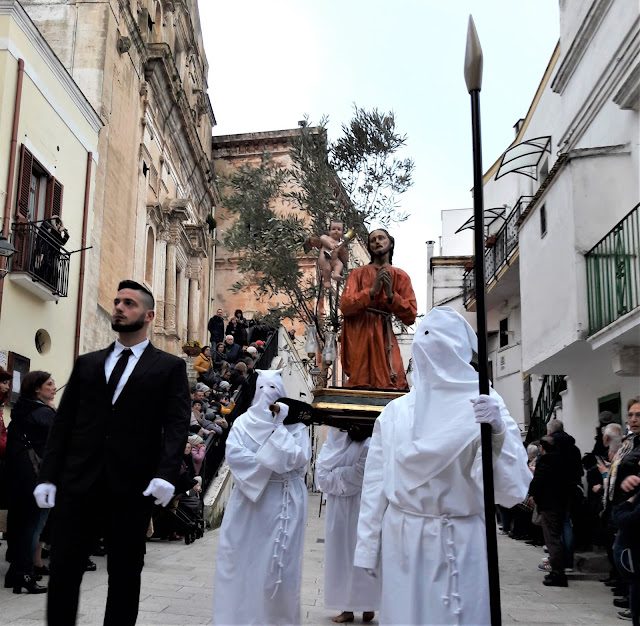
183,516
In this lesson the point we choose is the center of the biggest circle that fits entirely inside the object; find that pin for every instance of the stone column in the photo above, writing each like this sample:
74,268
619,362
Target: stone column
170,289
194,308
159,280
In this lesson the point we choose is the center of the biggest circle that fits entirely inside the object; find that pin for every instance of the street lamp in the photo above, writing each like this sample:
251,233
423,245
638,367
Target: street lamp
473,62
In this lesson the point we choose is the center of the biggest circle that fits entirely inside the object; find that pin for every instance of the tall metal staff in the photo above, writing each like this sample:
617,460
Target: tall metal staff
473,78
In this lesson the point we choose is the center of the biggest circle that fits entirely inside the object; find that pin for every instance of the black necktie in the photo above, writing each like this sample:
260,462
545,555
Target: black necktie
118,370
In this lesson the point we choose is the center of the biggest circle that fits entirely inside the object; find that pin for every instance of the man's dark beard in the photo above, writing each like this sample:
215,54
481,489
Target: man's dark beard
378,253
128,328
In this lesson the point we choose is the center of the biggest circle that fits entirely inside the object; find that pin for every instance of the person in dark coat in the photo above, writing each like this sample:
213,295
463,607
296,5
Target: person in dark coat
237,327
232,351
88,472
626,549
550,490
216,329
31,421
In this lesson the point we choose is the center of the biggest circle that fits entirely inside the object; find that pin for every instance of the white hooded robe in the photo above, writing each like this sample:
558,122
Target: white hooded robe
422,509
259,565
339,473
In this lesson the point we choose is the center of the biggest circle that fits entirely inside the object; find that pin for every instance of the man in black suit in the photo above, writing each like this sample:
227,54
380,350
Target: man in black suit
97,469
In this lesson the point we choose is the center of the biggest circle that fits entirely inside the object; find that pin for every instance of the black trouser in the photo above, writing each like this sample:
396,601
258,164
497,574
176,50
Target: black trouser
25,523
552,527
77,522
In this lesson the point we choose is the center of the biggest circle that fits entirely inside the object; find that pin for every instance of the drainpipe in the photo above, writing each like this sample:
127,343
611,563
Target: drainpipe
430,245
12,164
85,219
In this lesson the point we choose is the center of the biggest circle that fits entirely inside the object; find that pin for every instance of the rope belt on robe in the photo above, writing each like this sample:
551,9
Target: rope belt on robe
389,328
280,546
452,597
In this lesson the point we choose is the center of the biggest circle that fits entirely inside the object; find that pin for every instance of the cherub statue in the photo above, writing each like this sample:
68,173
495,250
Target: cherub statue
333,252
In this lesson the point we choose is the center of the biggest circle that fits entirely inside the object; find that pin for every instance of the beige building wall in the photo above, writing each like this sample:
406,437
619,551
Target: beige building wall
60,128
142,66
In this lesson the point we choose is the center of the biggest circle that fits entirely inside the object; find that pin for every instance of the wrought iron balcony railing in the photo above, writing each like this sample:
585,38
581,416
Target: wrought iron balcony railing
613,273
40,256
500,247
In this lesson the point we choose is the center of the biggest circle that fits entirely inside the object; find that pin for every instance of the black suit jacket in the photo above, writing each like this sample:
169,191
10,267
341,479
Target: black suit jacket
142,436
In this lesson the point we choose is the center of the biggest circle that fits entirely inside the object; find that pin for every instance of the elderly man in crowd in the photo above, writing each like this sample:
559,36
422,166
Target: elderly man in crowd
232,351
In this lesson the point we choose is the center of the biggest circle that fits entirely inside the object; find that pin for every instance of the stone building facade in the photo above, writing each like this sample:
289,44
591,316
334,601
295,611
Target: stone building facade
141,64
230,152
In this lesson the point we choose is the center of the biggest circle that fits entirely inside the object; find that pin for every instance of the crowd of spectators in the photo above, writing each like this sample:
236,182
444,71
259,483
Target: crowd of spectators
583,501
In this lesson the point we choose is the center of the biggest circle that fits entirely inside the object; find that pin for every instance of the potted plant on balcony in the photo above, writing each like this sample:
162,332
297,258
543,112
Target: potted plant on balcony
490,242
192,348
468,266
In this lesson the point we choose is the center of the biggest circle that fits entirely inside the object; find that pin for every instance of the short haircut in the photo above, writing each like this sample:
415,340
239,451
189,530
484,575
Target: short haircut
532,451
148,301
555,425
241,367
32,381
613,431
633,401
229,337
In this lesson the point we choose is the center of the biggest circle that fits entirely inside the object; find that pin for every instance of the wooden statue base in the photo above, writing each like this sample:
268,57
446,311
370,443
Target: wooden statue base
352,403
353,410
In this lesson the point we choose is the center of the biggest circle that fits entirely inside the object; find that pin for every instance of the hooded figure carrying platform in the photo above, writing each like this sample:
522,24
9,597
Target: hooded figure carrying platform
259,565
422,509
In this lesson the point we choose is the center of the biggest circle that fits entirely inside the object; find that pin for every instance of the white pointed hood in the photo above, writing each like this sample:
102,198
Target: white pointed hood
258,420
439,422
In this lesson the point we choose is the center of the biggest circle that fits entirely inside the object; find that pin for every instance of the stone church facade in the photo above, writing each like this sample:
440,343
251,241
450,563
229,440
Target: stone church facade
141,64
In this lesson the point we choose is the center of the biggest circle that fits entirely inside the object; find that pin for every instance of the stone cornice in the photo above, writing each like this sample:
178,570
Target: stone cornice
580,43
132,28
628,96
14,9
247,144
160,71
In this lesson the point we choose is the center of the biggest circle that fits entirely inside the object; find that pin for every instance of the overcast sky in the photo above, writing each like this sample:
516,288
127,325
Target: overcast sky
271,62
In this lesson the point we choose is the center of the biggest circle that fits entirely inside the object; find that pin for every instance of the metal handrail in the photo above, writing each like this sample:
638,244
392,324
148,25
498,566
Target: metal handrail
613,273
552,385
498,255
41,256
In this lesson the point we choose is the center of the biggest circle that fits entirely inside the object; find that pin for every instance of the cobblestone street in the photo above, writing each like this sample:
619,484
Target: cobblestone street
178,580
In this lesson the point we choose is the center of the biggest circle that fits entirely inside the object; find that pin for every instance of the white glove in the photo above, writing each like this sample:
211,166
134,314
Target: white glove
279,417
45,495
161,490
487,411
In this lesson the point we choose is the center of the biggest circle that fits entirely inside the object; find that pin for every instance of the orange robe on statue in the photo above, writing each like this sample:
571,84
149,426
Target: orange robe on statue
365,335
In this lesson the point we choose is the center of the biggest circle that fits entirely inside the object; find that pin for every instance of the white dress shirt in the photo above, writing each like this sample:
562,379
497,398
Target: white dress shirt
112,359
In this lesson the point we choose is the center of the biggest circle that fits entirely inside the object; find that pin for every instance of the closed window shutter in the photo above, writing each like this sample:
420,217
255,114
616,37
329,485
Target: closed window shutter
54,199
24,185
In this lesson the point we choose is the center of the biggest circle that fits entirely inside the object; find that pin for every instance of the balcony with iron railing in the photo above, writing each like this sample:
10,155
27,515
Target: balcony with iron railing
40,260
500,249
613,273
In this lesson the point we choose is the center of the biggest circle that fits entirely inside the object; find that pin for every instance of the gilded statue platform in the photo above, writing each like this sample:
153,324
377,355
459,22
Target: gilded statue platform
354,410
342,401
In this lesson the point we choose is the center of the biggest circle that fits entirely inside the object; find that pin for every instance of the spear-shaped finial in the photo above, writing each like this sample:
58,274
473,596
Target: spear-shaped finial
473,59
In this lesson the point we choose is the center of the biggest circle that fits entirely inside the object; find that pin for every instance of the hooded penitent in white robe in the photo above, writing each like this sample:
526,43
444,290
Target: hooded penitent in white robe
259,565
339,473
422,509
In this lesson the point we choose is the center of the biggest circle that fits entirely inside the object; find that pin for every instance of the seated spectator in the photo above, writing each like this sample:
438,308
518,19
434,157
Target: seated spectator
238,378
198,451
202,363
198,418
232,350
218,357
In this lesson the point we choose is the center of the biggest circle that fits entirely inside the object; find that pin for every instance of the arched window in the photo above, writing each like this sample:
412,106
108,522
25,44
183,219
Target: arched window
148,269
